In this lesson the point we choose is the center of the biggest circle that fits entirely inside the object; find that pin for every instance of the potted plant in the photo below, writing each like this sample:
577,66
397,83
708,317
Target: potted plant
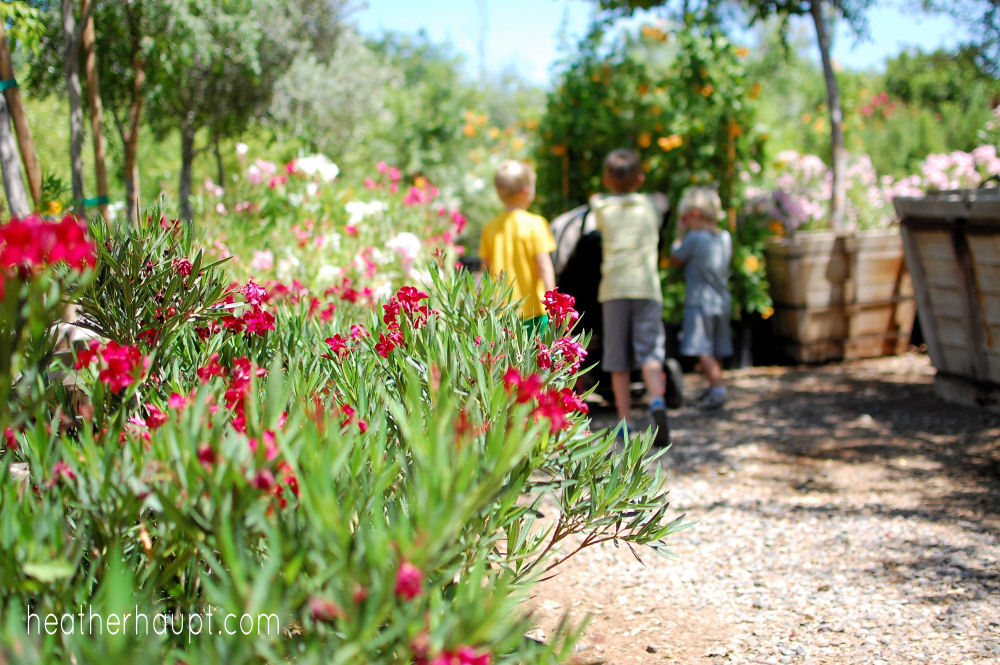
952,241
837,294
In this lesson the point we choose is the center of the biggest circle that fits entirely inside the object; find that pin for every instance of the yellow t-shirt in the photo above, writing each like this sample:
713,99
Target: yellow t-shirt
630,232
510,243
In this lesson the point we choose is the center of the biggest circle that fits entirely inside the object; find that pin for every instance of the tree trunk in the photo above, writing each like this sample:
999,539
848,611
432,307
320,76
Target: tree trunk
17,198
96,110
220,171
131,136
72,69
187,161
838,155
24,142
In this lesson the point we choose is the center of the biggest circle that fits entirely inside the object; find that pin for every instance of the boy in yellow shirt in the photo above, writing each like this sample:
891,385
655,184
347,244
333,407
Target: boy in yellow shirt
516,243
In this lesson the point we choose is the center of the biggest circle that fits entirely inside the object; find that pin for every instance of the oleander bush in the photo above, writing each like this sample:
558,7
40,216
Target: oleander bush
373,479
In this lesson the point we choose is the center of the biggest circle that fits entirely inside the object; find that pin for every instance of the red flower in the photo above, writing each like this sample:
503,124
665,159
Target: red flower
9,438
527,387
182,266
387,343
156,418
409,581
206,456
149,336
87,356
213,368
122,364
560,307
338,345
32,242
258,321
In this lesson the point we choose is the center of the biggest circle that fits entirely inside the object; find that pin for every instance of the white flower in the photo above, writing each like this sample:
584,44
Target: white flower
406,245
327,273
242,149
360,210
318,165
312,189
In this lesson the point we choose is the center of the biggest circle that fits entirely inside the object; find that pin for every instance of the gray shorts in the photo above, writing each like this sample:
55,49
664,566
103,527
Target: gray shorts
706,334
633,330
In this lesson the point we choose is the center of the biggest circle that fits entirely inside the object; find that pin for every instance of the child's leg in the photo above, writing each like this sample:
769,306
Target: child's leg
652,376
622,387
712,369
615,360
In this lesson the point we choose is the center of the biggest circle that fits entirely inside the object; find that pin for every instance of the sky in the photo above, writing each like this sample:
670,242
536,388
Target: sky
525,34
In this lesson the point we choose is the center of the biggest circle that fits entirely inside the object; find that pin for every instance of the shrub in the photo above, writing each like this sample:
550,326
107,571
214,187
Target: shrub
366,483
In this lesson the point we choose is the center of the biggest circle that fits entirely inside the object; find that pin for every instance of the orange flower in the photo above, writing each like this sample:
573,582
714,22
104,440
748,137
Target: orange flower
742,52
642,90
469,130
559,150
751,263
707,89
644,139
668,143
754,91
776,227
767,313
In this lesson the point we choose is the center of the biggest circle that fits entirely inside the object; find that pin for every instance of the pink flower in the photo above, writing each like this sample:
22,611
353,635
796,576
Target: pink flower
59,471
253,293
213,368
177,401
459,220
409,581
262,260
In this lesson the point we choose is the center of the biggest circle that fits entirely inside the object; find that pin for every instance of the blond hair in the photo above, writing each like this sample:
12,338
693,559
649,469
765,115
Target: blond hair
704,200
513,177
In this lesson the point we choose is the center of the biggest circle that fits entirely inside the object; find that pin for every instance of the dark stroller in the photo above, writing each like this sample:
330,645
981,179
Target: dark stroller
577,261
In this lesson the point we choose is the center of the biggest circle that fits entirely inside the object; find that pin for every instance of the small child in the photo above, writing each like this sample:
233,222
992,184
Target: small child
516,243
705,251
630,296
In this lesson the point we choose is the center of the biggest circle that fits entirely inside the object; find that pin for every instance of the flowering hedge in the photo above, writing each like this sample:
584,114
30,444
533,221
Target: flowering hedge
367,472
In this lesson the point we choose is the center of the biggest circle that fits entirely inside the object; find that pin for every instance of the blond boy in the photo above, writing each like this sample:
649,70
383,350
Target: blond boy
705,251
516,243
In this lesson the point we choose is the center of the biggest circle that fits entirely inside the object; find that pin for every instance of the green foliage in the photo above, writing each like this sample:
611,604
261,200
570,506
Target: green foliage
298,483
679,100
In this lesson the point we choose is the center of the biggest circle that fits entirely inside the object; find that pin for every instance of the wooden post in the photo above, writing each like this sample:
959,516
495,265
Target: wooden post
14,106
96,109
17,198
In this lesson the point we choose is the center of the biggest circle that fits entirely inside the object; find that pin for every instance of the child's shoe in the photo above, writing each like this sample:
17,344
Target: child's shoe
713,398
658,411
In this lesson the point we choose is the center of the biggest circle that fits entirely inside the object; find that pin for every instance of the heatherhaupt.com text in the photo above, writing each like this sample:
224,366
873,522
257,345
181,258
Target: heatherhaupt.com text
211,622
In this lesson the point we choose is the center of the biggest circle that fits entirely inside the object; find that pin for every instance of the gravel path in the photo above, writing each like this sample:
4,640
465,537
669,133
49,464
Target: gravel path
844,514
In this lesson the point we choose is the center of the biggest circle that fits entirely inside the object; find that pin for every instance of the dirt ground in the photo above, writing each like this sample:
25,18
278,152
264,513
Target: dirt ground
843,514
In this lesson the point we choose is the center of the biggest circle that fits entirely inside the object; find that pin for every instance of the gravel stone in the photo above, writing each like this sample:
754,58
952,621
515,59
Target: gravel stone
843,514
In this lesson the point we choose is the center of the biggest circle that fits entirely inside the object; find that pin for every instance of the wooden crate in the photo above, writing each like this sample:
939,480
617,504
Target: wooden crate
952,243
840,296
